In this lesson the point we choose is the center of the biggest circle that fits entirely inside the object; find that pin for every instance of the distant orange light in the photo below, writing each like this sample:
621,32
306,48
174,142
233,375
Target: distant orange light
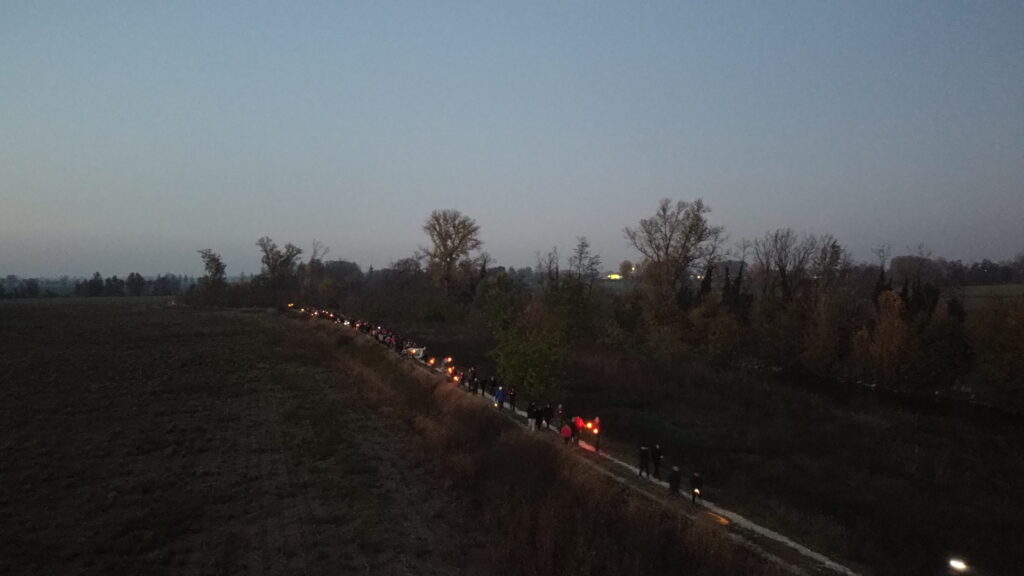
448,360
590,425
720,519
596,431
432,361
456,378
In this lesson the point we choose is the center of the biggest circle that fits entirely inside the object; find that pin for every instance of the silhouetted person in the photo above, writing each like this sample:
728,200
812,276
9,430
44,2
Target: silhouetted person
674,477
566,433
645,460
696,486
512,397
499,398
656,456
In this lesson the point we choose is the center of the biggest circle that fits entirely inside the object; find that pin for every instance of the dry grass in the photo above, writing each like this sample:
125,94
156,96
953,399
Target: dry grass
552,512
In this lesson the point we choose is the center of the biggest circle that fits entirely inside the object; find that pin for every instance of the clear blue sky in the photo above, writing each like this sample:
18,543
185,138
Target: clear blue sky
134,133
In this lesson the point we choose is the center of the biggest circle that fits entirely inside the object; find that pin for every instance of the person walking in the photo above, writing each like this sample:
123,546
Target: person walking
531,416
656,456
499,398
566,433
512,398
674,476
696,485
645,460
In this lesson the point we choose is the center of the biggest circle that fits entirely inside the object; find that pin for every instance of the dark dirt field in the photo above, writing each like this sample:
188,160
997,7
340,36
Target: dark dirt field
138,437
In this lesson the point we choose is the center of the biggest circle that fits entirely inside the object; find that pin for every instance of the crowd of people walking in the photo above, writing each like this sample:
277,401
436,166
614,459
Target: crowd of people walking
538,416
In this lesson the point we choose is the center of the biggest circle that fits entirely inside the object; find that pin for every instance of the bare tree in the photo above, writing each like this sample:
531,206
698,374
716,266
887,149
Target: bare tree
548,266
483,262
453,236
584,264
882,252
829,259
318,252
672,242
278,263
742,249
312,272
782,257
279,274
214,266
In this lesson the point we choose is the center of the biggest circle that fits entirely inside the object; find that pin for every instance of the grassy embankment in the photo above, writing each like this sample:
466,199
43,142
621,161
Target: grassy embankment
549,511
893,490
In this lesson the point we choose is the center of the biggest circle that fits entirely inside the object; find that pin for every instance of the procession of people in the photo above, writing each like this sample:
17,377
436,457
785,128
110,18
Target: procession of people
538,416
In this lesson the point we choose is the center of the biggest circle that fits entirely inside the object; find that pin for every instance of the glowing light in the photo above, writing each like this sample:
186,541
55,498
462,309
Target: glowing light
597,431
432,361
448,360
590,425
720,519
614,276
696,491
291,304
958,564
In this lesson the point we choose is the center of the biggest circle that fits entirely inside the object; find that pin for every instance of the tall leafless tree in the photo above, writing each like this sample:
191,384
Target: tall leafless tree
584,264
673,242
453,235
782,257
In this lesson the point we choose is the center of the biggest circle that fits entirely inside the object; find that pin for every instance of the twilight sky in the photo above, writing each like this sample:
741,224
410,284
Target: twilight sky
134,133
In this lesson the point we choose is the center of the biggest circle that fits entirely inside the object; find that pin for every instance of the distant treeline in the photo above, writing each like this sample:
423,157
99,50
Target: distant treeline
783,303
97,286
